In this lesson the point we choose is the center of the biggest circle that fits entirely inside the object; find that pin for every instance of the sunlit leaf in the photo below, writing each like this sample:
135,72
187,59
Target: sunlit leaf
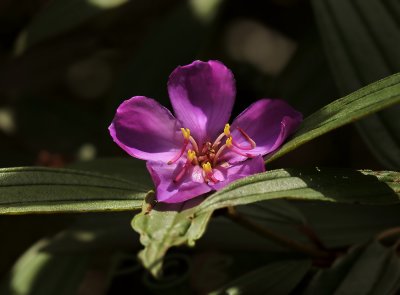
333,185
168,225
39,190
42,273
348,109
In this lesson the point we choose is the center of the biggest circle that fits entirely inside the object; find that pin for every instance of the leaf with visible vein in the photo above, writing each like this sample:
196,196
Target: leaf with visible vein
333,185
367,100
45,190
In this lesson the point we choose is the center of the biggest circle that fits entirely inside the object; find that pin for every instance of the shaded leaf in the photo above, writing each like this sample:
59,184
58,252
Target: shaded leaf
168,225
362,42
39,190
130,169
339,224
350,108
369,269
274,211
334,185
60,16
275,278
41,273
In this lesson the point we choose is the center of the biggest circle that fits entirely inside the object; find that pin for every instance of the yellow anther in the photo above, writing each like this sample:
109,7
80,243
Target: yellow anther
229,141
185,132
207,167
191,155
227,130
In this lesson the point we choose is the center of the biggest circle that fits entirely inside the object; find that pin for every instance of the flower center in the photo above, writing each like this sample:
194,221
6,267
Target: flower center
210,154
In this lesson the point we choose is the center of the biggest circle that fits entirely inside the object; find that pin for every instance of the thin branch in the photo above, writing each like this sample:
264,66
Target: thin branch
389,233
276,237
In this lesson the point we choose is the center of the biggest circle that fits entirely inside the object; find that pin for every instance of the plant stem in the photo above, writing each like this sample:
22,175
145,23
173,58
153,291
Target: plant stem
388,233
276,237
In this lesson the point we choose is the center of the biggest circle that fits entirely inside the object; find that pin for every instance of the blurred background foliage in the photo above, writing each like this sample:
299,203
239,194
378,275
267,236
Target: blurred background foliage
67,64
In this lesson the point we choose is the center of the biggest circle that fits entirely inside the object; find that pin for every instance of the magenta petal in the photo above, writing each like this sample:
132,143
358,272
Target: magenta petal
190,186
202,95
268,122
146,130
237,171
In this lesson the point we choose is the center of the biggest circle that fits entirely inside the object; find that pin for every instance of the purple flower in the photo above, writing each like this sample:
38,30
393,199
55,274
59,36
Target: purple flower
197,151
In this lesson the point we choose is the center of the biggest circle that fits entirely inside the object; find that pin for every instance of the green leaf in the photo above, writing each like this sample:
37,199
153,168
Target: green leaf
333,185
274,211
126,168
40,190
168,225
362,43
369,269
339,225
40,273
165,226
348,109
275,278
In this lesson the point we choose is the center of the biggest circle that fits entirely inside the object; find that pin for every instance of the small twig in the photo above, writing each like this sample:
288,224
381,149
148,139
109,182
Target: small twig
276,237
311,235
395,231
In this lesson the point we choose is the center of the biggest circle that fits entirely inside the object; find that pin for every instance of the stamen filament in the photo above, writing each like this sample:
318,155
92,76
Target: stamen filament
247,137
218,140
179,155
187,139
247,155
226,133
229,144
182,172
216,157
191,157
245,148
194,144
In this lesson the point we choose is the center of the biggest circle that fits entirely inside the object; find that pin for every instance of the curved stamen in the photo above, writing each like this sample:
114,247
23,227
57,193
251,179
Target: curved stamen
191,157
218,154
226,133
194,144
186,136
230,146
244,148
182,172
247,137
